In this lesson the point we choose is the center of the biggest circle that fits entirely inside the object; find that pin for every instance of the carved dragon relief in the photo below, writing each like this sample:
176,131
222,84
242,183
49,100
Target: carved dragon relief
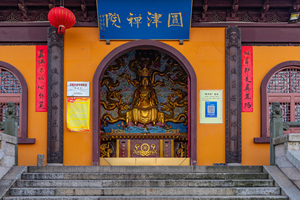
171,105
145,64
107,149
113,100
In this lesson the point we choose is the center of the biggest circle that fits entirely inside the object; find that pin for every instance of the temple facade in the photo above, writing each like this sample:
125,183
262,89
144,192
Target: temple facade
206,100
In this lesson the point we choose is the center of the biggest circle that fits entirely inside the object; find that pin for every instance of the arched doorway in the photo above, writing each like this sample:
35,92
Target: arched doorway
144,45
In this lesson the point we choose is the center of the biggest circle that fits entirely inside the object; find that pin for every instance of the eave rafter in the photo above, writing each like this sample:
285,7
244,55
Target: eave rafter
203,10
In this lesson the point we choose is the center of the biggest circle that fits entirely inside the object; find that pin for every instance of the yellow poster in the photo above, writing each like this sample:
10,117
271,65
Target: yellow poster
78,114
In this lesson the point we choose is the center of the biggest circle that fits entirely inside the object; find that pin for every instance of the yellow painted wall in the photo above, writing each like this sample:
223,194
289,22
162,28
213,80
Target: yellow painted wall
23,58
205,51
264,59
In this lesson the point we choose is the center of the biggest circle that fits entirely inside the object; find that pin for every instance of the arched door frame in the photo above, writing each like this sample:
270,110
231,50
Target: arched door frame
153,45
24,106
263,92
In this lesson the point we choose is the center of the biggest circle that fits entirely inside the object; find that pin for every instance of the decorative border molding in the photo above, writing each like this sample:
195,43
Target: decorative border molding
144,44
233,95
24,98
263,99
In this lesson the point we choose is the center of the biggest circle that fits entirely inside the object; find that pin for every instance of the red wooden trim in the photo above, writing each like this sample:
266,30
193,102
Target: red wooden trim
245,24
25,24
263,98
194,24
262,140
23,34
262,32
13,32
144,44
26,140
24,118
270,34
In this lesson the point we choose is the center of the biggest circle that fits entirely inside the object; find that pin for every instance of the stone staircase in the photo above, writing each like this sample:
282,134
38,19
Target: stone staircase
146,182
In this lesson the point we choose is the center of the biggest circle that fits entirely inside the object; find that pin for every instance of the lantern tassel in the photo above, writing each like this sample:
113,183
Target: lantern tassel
61,29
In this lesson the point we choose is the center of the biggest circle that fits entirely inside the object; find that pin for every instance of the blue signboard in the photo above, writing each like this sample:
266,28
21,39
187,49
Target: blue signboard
210,109
142,19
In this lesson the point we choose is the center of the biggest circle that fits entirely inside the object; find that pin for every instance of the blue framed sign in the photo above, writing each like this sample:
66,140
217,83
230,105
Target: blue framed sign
141,19
210,109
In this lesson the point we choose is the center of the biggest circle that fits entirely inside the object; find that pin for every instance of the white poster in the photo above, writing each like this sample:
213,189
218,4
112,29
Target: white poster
211,109
78,89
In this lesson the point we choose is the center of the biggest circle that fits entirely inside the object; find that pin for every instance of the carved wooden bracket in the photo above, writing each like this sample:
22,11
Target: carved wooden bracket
23,9
296,6
52,4
263,11
235,8
84,9
205,7
233,12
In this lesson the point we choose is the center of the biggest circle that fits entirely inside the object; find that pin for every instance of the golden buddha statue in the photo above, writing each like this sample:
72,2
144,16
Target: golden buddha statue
144,105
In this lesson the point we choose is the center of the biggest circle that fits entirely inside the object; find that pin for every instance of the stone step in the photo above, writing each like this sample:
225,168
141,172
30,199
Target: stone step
145,183
147,169
140,176
150,198
144,191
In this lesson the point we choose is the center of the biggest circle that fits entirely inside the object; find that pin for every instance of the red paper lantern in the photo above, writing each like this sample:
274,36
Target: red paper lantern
61,18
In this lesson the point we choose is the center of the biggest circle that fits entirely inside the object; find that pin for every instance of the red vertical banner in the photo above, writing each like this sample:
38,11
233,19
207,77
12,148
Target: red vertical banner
247,78
41,79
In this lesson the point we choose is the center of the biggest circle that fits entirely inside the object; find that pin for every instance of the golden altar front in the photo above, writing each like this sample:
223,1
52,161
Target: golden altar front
119,148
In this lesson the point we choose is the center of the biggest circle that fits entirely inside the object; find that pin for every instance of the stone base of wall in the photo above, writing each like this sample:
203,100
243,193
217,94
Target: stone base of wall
7,153
287,156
